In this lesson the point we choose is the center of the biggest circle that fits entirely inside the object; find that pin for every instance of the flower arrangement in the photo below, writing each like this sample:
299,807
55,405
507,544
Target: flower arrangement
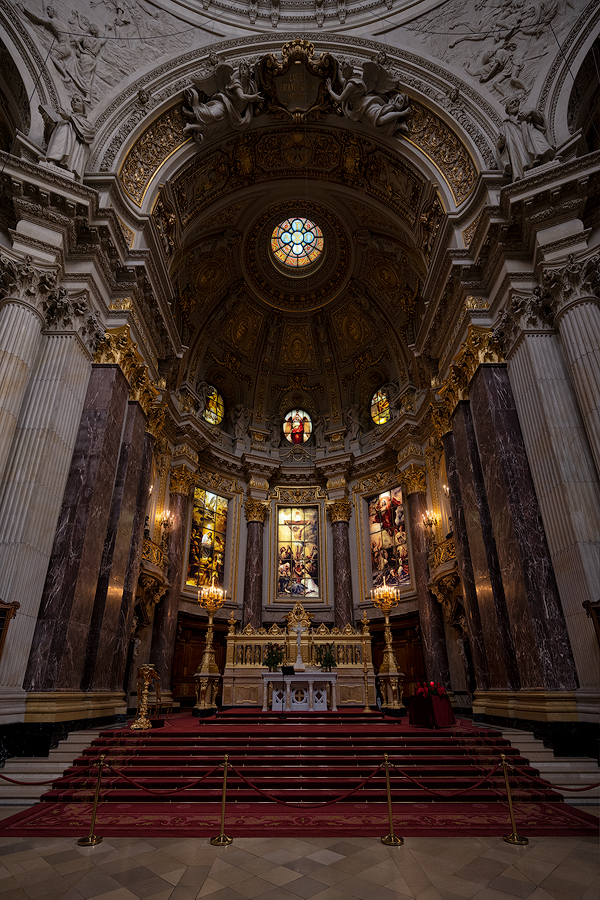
431,690
274,656
326,656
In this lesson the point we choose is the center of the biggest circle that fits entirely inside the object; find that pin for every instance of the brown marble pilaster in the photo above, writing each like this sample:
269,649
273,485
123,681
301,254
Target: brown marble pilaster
465,567
98,670
256,511
339,513
134,561
57,655
165,617
541,642
493,613
430,611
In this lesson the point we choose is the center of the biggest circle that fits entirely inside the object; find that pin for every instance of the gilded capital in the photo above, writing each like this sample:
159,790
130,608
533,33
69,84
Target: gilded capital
339,510
481,346
155,420
182,480
440,417
118,349
414,480
256,510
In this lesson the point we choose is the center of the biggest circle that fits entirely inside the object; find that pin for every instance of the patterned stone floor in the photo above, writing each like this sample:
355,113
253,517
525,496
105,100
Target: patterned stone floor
294,869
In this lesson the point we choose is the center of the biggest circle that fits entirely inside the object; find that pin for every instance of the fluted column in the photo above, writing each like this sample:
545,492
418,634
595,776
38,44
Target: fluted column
181,484
58,652
430,611
339,513
541,641
256,512
465,567
32,490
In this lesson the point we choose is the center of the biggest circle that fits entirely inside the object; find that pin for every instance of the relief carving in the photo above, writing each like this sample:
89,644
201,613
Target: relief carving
372,98
229,104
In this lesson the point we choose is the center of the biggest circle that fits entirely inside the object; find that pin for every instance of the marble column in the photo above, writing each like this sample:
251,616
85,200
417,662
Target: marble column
21,323
181,483
32,490
491,602
541,642
465,568
57,656
566,483
124,625
256,512
430,611
98,672
339,513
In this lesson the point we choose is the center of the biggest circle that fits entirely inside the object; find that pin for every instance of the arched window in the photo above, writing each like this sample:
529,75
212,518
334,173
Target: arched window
206,555
297,426
387,539
215,408
380,407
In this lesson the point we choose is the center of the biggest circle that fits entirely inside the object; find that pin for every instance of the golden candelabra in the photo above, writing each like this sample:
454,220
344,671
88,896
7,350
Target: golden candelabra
211,598
386,598
146,674
365,676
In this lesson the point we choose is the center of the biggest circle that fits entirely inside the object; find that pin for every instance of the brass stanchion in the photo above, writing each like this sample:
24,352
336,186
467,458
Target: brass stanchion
92,839
513,837
390,839
221,840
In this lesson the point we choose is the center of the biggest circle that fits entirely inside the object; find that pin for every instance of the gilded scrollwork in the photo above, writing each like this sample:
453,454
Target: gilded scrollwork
339,510
117,348
414,479
150,150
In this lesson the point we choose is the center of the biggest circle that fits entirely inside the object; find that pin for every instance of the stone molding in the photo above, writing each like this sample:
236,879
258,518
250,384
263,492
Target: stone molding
481,346
339,510
414,479
256,510
118,349
182,480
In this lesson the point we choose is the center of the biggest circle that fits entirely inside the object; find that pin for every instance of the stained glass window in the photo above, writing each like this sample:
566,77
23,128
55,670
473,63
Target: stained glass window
207,539
297,242
297,426
387,539
380,407
214,409
298,570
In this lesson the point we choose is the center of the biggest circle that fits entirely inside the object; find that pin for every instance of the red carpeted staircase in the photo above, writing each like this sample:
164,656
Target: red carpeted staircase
308,759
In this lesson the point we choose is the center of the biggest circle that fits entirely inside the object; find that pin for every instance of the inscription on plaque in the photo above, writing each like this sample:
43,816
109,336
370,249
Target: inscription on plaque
297,89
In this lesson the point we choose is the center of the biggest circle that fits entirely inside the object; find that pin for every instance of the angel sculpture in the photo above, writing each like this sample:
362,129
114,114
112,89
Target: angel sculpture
366,98
230,104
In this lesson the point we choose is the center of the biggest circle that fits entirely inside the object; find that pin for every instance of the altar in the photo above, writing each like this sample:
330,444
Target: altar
306,691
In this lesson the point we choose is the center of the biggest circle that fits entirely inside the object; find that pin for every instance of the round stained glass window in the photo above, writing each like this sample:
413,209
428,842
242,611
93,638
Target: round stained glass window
297,243
297,426
380,407
215,408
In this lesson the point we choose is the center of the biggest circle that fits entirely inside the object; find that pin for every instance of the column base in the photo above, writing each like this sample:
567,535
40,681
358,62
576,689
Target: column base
71,706
536,706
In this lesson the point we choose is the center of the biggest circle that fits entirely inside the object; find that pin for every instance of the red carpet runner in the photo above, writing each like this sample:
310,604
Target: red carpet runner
302,760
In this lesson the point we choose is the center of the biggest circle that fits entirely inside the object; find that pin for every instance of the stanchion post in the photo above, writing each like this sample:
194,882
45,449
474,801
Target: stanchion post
221,840
91,839
390,839
513,837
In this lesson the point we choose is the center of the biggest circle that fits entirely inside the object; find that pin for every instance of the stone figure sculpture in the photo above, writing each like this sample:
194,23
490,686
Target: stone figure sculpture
274,432
62,53
319,12
71,135
203,391
352,422
241,421
393,394
522,142
319,432
230,104
372,98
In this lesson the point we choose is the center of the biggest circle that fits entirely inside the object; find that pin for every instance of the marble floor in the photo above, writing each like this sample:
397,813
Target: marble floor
55,868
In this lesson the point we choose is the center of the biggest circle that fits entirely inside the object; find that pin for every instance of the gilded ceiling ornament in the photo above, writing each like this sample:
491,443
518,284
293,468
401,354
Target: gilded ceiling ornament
339,510
414,479
295,85
242,328
118,349
297,349
182,480
256,510
438,142
150,150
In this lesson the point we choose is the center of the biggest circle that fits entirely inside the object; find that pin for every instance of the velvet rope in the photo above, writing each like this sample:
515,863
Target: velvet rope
305,805
471,787
548,784
39,783
167,792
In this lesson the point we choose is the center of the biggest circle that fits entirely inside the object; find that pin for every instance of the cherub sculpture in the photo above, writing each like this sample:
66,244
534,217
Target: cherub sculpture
230,104
372,98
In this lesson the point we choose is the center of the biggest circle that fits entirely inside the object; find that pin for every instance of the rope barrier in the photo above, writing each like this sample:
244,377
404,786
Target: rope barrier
471,787
40,783
305,805
548,784
164,793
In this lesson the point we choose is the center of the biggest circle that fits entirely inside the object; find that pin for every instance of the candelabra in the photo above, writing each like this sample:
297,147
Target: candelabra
386,598
211,598
146,674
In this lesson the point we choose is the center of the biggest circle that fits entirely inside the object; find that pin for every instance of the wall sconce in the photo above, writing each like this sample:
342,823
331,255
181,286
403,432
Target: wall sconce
446,490
165,520
429,519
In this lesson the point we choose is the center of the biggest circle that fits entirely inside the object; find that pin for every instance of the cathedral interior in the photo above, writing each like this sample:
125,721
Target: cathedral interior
299,301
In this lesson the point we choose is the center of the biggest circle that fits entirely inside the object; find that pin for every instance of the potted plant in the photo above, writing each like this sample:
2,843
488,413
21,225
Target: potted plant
274,655
326,656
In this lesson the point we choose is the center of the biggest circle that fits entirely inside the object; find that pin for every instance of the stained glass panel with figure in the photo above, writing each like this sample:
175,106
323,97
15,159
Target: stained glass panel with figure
207,539
387,539
298,564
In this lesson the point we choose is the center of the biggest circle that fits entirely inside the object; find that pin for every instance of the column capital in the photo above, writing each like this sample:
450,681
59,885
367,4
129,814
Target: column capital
21,281
182,480
530,312
118,349
414,479
480,346
339,510
575,282
256,510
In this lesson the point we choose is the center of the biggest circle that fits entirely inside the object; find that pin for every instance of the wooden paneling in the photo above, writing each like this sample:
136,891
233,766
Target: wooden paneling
189,647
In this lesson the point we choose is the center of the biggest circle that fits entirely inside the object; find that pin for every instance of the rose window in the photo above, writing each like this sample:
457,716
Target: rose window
297,242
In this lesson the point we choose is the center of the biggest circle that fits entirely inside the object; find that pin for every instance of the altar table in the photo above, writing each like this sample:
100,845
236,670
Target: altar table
430,712
300,692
